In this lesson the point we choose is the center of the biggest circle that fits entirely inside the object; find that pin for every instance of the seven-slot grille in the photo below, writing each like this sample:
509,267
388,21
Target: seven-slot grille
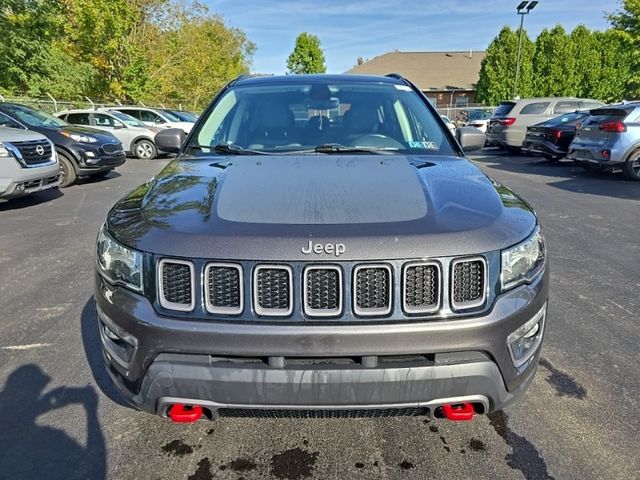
30,151
421,287
223,288
176,284
322,291
469,282
272,290
372,290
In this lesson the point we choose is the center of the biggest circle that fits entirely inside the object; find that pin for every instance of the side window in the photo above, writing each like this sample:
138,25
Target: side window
78,118
566,107
103,120
8,122
133,113
147,116
534,108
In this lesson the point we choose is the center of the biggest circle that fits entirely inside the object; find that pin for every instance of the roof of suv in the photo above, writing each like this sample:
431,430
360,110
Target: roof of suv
337,78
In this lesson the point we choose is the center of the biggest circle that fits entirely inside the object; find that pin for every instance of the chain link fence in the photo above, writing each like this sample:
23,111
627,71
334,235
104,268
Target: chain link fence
460,115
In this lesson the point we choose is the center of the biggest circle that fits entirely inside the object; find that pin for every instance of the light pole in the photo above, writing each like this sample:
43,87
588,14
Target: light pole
524,8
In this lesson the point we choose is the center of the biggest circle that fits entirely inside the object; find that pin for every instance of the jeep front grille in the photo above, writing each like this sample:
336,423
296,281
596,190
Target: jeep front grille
223,288
272,290
372,290
469,285
421,287
176,285
322,291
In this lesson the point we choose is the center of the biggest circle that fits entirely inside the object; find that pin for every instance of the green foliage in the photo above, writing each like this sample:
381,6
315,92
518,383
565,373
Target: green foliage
497,73
626,24
131,50
307,55
553,65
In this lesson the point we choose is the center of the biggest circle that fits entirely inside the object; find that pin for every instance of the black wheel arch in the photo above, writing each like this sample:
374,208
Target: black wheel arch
70,155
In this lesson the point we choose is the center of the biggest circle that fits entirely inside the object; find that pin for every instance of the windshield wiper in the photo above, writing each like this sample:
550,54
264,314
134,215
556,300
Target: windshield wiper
228,148
337,148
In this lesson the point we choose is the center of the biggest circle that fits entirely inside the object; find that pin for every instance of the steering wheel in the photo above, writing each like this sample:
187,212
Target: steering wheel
376,140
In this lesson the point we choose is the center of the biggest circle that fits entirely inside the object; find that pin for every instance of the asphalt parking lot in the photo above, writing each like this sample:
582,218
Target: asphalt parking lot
60,417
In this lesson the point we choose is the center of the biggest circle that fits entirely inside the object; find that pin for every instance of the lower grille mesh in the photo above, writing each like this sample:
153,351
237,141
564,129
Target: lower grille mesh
468,283
176,283
325,413
372,290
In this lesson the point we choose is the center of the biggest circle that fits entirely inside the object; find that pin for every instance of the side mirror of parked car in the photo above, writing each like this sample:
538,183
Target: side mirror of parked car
119,126
470,138
170,140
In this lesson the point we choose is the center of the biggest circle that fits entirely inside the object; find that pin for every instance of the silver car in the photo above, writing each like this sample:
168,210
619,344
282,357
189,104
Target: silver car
508,126
609,138
28,163
136,137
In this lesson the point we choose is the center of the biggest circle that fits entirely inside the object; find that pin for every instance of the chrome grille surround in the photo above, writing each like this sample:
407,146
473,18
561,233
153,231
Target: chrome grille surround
356,289
454,283
183,307
307,292
437,294
257,291
207,282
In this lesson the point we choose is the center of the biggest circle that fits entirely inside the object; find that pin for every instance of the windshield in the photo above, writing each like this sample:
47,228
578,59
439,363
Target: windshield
34,118
169,115
128,119
503,109
302,117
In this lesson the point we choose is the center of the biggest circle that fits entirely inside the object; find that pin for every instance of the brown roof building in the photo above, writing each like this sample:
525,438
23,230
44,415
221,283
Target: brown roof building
447,78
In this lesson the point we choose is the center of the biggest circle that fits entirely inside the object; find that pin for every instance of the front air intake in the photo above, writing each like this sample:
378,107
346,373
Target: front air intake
273,290
372,287
322,291
469,284
223,288
421,287
176,284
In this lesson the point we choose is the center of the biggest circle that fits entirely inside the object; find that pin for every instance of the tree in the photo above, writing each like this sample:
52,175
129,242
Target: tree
585,63
614,67
307,55
554,73
497,72
626,24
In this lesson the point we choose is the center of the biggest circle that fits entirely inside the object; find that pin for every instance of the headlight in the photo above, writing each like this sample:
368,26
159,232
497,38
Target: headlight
521,263
77,137
4,151
117,263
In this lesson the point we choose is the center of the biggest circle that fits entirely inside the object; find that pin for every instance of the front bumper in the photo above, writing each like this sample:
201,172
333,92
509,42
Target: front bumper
91,161
249,366
25,181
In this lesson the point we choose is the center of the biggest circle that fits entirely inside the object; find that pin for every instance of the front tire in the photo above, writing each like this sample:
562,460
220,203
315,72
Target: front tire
631,167
145,150
68,174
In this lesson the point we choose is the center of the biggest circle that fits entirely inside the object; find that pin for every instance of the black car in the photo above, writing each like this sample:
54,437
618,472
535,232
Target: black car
81,151
553,137
321,245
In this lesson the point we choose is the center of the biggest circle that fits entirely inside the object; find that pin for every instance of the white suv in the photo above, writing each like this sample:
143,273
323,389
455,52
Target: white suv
155,117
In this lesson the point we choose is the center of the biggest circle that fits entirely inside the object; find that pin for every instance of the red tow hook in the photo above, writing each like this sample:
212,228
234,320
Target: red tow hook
180,413
458,411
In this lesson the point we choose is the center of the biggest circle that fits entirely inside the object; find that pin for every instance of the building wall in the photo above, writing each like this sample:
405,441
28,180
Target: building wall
443,98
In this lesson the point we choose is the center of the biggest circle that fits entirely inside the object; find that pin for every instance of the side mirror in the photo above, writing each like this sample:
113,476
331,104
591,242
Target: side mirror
170,140
470,138
119,126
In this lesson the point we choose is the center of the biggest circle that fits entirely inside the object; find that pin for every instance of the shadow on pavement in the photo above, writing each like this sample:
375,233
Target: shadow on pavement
93,352
30,200
32,451
576,179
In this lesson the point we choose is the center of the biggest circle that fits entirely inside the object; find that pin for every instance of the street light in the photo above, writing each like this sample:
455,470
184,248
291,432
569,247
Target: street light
524,8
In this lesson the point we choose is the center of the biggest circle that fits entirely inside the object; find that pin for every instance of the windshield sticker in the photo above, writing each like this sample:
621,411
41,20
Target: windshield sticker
404,88
427,145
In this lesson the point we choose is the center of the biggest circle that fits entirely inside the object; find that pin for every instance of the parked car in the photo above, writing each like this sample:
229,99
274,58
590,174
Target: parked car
449,124
82,151
155,117
135,136
479,119
508,125
28,163
551,139
184,115
322,267
609,138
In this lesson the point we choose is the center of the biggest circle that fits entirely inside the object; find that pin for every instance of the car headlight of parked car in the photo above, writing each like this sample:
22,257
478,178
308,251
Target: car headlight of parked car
4,151
77,137
523,262
117,263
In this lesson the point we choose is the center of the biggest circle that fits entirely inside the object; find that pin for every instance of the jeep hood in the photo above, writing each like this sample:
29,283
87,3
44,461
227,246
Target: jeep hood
270,207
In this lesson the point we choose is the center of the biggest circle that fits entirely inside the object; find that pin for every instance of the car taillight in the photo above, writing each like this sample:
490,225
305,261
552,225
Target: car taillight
557,134
613,126
507,122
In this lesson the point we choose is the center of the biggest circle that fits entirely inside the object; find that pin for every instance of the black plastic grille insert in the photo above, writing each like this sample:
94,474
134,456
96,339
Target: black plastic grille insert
273,290
176,283
323,290
224,289
468,283
373,290
421,287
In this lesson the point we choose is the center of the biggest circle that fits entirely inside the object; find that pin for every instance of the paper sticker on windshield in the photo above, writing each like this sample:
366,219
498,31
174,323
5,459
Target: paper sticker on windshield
424,144
404,88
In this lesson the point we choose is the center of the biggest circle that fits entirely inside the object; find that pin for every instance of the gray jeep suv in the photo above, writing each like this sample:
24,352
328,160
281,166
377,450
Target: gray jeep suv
321,247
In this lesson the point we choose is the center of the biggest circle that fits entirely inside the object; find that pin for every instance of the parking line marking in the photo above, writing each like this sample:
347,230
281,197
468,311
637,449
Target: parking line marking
26,347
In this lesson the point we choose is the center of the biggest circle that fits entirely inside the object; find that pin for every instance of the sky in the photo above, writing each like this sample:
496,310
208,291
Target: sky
368,28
